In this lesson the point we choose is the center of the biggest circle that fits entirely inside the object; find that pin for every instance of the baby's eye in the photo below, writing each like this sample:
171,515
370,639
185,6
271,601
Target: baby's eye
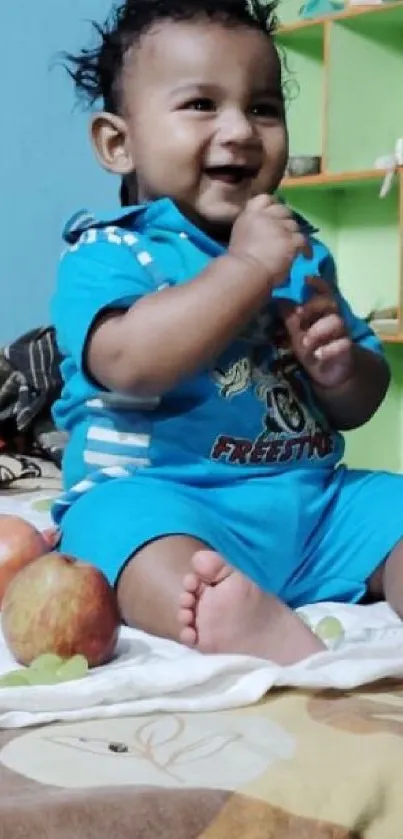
267,110
201,104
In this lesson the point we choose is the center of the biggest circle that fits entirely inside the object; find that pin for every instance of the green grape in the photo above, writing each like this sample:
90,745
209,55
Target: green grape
43,505
14,679
329,629
48,669
47,661
41,677
72,669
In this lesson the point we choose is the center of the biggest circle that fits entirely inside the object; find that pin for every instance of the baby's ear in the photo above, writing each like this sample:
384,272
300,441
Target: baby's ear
110,140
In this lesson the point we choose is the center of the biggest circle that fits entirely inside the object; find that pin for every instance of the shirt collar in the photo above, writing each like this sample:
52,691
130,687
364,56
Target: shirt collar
162,213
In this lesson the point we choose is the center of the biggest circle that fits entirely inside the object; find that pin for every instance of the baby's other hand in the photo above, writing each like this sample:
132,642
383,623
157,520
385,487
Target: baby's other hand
319,336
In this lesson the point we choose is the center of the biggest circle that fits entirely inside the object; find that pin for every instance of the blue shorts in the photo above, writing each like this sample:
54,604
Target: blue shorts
307,539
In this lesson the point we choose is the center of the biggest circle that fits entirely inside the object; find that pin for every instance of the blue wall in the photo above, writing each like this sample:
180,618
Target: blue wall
47,169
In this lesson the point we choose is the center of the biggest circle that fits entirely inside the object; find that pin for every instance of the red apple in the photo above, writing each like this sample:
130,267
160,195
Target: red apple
20,543
60,605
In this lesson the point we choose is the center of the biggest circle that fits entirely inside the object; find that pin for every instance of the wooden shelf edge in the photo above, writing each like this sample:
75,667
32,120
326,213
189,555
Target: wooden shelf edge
390,339
334,178
347,14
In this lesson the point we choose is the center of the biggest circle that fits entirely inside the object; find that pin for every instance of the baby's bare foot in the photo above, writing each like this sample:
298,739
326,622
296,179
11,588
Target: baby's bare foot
221,611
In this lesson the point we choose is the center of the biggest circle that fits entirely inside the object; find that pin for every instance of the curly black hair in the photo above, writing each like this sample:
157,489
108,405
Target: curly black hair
97,72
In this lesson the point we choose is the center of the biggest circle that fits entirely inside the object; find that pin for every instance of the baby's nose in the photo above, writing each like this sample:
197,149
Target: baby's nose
235,127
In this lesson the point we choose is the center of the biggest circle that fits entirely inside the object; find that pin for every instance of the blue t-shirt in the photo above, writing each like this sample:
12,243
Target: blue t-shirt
252,412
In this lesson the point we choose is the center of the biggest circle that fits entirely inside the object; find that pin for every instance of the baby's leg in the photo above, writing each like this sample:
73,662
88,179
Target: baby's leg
177,589
387,581
365,532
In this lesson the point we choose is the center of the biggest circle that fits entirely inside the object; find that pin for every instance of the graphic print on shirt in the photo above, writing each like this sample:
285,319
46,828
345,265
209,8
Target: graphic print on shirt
291,429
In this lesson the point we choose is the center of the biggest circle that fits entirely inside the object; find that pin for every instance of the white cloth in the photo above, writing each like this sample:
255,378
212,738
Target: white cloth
150,674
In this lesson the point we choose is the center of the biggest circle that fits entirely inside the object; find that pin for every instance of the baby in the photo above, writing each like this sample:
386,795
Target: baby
210,361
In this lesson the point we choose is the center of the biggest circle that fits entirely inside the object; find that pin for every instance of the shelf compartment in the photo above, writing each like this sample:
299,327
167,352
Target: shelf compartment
303,80
292,25
362,116
363,233
288,13
391,339
364,105
336,180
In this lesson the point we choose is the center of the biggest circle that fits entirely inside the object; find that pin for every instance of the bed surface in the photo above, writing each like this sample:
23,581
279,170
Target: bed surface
31,505
296,767
319,765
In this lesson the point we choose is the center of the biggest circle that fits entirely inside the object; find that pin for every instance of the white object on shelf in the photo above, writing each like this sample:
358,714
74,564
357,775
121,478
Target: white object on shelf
390,162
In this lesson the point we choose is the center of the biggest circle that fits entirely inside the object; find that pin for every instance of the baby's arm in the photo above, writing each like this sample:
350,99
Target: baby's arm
168,336
356,400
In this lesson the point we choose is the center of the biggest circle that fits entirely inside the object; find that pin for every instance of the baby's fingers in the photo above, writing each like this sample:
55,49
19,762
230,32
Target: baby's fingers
316,309
324,331
336,350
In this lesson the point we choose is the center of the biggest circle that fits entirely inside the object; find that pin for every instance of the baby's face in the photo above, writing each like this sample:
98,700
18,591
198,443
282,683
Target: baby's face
204,110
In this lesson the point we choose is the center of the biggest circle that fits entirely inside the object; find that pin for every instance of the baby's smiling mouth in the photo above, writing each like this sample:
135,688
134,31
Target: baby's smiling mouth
232,174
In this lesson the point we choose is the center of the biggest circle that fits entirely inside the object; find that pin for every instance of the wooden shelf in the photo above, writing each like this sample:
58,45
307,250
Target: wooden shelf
344,105
390,339
350,13
327,118
335,179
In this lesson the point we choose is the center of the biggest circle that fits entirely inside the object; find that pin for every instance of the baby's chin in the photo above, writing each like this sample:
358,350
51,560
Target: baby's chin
219,228
218,222
223,211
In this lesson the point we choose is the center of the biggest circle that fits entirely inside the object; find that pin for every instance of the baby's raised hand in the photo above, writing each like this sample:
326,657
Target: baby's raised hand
267,236
319,337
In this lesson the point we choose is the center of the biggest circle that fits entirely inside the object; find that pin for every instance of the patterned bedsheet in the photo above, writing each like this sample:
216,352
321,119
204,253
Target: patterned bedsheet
321,766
